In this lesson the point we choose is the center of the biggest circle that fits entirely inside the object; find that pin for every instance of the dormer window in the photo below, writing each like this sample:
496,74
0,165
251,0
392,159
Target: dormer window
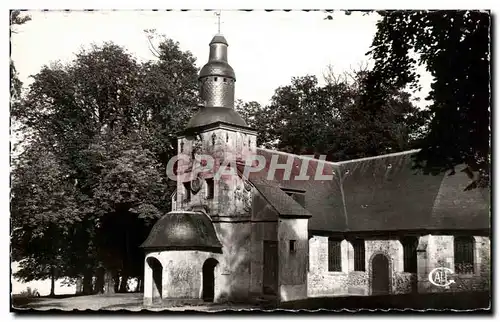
298,195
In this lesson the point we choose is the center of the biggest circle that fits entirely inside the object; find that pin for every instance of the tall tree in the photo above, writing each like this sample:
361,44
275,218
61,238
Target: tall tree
454,46
110,123
44,209
334,120
16,19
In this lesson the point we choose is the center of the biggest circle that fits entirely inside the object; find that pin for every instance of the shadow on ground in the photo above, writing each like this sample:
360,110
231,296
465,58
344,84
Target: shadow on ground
442,301
134,302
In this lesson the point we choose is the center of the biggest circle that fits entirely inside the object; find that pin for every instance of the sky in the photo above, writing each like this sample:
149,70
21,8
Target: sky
266,49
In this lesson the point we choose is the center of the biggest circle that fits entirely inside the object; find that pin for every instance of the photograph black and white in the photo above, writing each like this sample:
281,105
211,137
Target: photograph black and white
250,160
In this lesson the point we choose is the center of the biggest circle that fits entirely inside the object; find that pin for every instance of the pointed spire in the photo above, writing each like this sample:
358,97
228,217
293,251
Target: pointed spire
217,60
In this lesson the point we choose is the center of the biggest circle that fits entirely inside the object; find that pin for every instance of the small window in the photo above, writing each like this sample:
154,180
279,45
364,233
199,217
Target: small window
334,255
359,255
224,79
410,254
464,254
293,246
210,188
215,78
187,188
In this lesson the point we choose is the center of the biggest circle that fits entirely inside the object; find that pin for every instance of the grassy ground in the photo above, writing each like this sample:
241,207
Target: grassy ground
133,302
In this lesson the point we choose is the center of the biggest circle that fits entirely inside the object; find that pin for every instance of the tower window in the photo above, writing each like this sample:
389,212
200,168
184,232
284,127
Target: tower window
464,254
187,188
359,254
215,78
224,79
410,254
334,255
293,246
210,188
182,146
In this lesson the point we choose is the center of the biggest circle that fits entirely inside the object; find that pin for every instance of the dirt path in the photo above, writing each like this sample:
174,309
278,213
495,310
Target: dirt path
132,302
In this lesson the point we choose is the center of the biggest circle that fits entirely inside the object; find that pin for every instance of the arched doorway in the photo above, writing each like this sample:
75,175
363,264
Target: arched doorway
157,282
209,279
380,275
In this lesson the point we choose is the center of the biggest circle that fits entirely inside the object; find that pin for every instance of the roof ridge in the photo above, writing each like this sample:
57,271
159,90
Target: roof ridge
342,162
379,156
297,155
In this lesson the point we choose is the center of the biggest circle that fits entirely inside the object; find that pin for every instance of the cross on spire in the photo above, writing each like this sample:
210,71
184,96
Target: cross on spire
218,20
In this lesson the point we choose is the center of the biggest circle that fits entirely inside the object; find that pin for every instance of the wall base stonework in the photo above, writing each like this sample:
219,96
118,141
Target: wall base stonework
438,251
293,292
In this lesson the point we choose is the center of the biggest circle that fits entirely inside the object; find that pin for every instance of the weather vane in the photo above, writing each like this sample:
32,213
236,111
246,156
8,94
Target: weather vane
218,20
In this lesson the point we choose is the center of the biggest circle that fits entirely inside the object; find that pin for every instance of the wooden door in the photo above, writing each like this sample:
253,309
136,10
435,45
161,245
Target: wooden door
270,269
380,275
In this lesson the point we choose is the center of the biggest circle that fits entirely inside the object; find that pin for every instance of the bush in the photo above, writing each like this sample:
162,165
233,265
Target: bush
30,292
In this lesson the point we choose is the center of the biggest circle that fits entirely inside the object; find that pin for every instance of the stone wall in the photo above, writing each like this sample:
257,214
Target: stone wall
438,251
264,227
231,205
321,282
182,274
293,263
235,259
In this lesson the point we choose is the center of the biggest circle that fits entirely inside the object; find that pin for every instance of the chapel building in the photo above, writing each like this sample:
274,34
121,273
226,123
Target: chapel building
297,227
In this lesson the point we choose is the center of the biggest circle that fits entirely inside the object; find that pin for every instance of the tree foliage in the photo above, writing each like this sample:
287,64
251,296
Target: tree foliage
454,46
333,119
16,19
92,179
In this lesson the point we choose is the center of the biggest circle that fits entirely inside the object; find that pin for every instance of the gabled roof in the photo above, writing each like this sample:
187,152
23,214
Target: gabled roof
382,193
284,205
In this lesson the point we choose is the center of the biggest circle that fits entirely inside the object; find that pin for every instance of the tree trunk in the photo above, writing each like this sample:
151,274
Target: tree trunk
116,279
87,283
124,283
52,282
99,281
138,286
110,284
141,284
79,285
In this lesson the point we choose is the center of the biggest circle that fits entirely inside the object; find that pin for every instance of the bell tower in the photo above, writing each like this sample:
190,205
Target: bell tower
216,130
217,77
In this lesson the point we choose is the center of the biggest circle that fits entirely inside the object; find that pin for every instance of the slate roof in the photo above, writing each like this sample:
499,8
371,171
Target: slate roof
381,193
285,205
218,38
211,114
183,230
